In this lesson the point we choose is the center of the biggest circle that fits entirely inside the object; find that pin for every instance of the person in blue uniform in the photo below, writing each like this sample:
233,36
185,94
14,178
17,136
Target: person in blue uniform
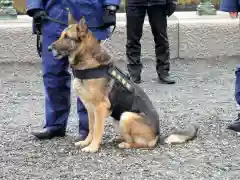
100,15
233,7
230,6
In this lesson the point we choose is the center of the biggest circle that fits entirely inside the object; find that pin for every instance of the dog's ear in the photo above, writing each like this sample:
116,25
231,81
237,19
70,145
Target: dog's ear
82,21
71,19
82,28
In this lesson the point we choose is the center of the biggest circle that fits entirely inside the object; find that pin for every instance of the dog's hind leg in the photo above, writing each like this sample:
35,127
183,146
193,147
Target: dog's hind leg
118,137
135,132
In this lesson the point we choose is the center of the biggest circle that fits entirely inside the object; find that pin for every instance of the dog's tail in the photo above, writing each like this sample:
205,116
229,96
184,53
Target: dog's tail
180,136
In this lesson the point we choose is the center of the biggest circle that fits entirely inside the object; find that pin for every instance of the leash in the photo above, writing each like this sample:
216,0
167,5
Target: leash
100,27
55,20
39,44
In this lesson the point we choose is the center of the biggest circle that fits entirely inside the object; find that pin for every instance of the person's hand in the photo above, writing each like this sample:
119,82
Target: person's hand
233,14
171,8
109,16
38,18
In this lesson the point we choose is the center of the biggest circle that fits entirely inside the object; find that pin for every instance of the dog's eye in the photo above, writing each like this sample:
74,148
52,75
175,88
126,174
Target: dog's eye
66,36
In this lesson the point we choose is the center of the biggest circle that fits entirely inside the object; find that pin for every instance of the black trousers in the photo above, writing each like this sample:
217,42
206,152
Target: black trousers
158,22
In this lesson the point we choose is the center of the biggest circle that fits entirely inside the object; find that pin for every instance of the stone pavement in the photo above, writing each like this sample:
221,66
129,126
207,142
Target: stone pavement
203,94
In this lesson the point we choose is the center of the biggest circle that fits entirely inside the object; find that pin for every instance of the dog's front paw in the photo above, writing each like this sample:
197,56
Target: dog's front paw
82,143
124,145
90,149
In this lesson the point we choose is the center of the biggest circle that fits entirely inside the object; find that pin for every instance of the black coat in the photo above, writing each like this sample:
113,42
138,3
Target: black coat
146,2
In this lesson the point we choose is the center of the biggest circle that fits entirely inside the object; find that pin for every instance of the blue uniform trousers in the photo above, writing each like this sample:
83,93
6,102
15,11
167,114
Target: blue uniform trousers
237,85
57,86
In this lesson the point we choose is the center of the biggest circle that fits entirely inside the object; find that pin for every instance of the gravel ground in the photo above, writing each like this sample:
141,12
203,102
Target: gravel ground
203,95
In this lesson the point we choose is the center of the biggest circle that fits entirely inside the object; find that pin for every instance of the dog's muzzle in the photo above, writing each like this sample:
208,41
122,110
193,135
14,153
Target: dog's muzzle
56,54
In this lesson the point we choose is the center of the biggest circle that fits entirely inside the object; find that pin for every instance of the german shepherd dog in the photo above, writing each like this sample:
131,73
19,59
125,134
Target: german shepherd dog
106,91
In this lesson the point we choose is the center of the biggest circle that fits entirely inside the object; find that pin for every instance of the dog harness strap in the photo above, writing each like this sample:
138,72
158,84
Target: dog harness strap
103,71
120,77
93,73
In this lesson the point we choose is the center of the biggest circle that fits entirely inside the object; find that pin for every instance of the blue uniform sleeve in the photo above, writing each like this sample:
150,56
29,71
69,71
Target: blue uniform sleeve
111,2
229,6
33,5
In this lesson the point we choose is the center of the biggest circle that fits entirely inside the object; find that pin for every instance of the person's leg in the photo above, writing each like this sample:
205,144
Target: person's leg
83,121
56,80
159,31
135,20
235,126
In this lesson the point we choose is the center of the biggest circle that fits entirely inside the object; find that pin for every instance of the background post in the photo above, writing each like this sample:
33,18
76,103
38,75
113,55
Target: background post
206,7
6,10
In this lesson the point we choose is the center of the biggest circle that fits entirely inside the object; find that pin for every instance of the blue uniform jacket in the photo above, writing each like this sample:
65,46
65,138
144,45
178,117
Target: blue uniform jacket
230,5
92,10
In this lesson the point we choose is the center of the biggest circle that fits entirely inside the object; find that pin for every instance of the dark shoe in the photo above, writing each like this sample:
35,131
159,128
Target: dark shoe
137,80
82,136
135,72
47,133
235,126
166,80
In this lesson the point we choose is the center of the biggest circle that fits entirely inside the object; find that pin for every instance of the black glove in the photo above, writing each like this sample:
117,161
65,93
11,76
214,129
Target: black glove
38,19
109,16
171,8
39,16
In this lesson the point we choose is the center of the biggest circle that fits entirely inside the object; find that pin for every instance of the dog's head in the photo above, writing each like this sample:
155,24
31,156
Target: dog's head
70,40
79,44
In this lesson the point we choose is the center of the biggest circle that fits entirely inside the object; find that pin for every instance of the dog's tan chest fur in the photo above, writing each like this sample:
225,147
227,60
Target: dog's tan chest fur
91,91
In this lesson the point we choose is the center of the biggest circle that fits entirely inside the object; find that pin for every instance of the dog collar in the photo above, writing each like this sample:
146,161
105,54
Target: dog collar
104,71
93,73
